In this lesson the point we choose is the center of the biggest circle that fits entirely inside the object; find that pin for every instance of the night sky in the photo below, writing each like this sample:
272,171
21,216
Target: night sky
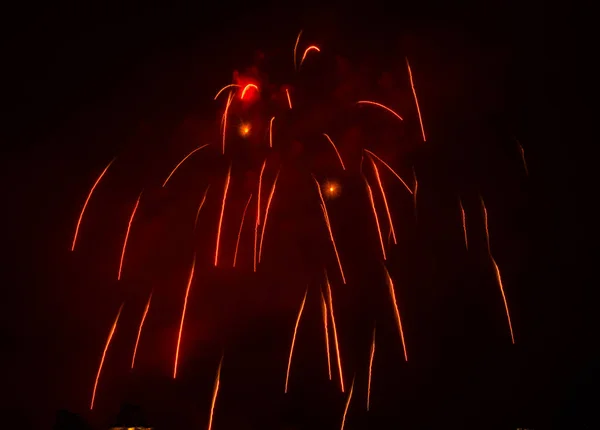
84,84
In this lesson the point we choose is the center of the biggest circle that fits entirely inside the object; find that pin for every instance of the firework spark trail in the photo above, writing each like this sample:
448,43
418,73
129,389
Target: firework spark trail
499,279
296,48
396,311
137,340
221,216
328,224
464,223
416,100
200,206
485,222
415,191
347,404
389,168
371,357
324,312
335,336
110,335
237,243
336,150
287,374
127,236
215,392
262,169
262,234
368,102
86,203
246,89
385,202
181,162
185,300
376,218
224,119
310,48
523,157
288,98
224,88
271,132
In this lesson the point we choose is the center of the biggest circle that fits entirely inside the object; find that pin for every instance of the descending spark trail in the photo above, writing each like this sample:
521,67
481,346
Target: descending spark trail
499,279
328,224
485,223
185,300
262,235
271,132
110,335
415,191
523,157
246,88
224,88
371,357
86,203
237,243
224,119
287,374
324,312
288,97
390,169
127,236
376,219
347,404
200,206
336,150
464,223
262,169
412,85
181,162
296,48
335,336
385,202
215,392
310,48
221,217
396,311
137,340
368,102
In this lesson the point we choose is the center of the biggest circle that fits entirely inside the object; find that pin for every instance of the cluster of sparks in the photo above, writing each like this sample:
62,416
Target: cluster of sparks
260,223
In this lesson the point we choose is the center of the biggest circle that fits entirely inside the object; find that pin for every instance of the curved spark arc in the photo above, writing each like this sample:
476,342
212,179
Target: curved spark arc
86,203
464,223
324,313
224,119
288,98
336,150
262,235
347,404
221,217
200,206
415,192
389,168
287,374
368,102
127,236
376,218
246,88
500,285
485,223
412,85
237,243
137,340
295,49
185,300
307,50
371,357
110,336
181,162
262,169
271,132
385,202
215,392
335,336
224,88
396,311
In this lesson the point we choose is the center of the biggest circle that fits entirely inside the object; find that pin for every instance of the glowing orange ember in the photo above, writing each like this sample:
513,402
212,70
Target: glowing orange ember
245,129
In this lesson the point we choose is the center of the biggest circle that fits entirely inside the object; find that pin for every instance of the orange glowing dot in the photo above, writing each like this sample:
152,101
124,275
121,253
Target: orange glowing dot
245,130
332,189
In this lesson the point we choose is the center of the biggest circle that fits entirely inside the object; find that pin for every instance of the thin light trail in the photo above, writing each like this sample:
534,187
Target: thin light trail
336,150
185,300
296,48
181,162
262,234
224,88
415,191
385,202
368,102
215,392
485,223
127,236
246,88
335,336
262,169
224,119
288,98
287,374
522,151
396,311
307,50
390,169
137,340
412,85
221,217
237,243
200,206
328,224
370,193
324,312
110,335
86,203
271,132
499,280
464,223
347,404
371,357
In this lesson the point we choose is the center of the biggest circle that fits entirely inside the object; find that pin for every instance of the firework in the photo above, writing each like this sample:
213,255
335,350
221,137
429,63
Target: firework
224,88
385,202
310,48
324,313
396,311
415,191
485,223
389,168
200,206
287,374
246,88
237,243
262,169
287,93
464,223
296,48
262,235
215,392
221,217
335,336
185,300
499,280
271,132
347,404
336,150
370,193
139,334
127,236
371,357
412,85
181,162
368,102
224,119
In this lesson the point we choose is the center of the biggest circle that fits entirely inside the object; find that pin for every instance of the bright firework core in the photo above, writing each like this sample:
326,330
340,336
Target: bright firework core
244,129
332,189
